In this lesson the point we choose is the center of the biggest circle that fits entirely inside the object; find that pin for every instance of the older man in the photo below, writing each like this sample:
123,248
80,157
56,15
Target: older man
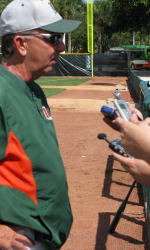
35,211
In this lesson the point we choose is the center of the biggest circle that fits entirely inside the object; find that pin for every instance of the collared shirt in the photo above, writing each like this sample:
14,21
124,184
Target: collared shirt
33,186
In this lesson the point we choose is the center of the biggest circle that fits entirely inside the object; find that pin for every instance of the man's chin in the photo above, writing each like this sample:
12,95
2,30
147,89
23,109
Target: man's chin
48,69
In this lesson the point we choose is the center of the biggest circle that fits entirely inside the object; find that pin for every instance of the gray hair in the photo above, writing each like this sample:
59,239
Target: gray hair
7,44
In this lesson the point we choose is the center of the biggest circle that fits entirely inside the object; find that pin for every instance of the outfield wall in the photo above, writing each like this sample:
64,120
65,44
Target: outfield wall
81,65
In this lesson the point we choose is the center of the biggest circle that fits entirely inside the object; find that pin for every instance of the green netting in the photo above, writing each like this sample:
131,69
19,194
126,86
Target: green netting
81,65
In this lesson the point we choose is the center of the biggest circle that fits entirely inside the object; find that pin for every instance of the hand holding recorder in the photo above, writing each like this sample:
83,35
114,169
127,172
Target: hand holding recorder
121,106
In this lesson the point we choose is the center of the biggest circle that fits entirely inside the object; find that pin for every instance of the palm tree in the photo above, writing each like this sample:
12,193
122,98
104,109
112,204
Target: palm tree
68,10
101,17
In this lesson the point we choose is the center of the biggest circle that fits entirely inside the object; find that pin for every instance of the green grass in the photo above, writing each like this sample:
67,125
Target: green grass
53,91
53,81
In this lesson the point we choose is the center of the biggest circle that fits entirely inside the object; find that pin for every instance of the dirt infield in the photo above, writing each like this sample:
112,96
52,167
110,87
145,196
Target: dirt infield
90,96
97,184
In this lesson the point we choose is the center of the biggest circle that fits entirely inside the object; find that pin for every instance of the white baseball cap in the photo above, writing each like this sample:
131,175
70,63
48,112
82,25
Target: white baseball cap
23,15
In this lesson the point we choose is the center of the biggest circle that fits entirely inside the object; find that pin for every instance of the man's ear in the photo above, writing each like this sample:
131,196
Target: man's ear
21,45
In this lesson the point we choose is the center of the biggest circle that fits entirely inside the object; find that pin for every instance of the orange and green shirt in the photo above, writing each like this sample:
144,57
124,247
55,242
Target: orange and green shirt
33,186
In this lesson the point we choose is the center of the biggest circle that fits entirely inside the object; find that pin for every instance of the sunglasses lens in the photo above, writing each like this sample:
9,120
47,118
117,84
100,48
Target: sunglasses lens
56,39
50,38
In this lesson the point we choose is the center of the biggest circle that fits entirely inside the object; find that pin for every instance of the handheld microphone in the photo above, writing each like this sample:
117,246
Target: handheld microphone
114,145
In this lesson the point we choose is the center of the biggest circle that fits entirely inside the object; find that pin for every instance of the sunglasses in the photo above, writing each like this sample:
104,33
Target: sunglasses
54,39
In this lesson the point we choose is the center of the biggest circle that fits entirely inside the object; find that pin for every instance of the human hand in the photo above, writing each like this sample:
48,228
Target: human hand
111,123
139,169
9,239
135,137
136,115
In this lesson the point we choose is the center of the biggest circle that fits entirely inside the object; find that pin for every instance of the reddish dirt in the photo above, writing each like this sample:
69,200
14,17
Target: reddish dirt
97,184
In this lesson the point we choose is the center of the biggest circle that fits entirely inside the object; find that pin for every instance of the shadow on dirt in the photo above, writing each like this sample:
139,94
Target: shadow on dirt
105,218
103,84
108,181
103,226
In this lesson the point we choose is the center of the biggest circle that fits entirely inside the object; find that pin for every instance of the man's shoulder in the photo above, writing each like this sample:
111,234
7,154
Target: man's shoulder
6,83
7,78
4,76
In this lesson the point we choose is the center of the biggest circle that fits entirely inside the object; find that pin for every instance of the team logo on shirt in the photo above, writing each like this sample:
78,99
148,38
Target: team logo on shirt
48,117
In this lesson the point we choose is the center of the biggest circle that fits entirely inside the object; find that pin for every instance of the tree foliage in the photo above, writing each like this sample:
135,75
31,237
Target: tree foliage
69,9
130,15
3,4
